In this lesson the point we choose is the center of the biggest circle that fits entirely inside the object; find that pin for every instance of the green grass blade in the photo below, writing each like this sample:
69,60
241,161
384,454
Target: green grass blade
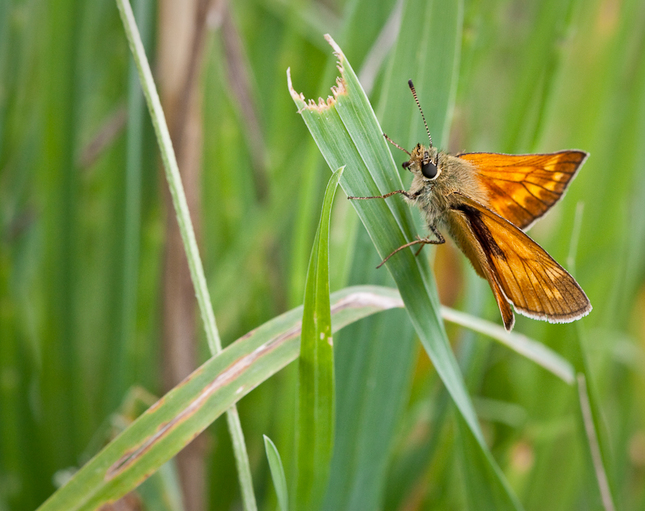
483,492
525,117
427,51
425,48
368,416
521,344
347,132
172,175
590,411
277,473
175,420
316,400
188,237
161,492
599,464
121,362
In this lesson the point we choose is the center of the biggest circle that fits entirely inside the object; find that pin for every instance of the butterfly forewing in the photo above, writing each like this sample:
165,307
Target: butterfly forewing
521,188
530,278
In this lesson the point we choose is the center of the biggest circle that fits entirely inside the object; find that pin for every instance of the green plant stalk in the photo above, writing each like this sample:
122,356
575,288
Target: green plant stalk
589,407
593,443
187,235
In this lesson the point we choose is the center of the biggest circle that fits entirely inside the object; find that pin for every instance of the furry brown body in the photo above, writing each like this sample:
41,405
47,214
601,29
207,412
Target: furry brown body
439,199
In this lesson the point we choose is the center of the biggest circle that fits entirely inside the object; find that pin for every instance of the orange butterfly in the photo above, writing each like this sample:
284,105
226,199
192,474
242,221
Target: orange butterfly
484,200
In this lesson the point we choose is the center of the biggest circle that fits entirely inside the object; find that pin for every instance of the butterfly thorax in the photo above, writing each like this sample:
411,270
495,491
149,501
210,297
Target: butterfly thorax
435,197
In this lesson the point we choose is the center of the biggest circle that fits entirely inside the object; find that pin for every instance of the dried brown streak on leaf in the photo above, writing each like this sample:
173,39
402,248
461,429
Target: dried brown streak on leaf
190,377
123,459
294,331
247,335
154,407
364,299
222,379
354,300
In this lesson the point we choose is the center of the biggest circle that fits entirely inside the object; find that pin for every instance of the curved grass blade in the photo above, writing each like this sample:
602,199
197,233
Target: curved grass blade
590,410
316,401
277,473
519,343
347,133
174,421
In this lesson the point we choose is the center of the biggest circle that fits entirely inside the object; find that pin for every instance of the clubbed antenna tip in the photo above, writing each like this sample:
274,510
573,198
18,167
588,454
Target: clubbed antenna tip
414,93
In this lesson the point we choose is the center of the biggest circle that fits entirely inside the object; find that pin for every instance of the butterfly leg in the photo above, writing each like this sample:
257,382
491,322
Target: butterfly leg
419,241
427,241
409,195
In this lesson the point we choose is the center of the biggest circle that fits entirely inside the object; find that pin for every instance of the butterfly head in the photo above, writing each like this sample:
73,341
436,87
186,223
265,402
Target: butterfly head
424,161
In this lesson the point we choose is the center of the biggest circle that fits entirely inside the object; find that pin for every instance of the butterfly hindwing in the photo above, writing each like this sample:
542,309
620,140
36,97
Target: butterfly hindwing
521,188
529,278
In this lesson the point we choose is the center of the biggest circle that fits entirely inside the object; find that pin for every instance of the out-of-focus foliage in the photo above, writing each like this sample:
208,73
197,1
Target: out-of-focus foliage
533,77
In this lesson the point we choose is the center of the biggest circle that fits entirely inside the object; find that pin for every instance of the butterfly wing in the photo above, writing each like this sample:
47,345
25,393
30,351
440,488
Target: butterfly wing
521,188
528,277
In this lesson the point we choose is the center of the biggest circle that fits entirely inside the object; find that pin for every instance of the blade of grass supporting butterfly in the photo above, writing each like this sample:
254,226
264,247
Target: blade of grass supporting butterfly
347,133
277,473
428,51
171,423
316,401
481,493
368,416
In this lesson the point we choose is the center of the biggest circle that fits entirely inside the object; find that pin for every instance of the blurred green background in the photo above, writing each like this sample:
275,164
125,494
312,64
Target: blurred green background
91,283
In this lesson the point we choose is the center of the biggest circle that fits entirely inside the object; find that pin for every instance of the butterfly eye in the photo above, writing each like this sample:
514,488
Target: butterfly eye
429,170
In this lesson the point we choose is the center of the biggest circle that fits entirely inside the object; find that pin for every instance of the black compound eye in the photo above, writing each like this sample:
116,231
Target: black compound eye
429,170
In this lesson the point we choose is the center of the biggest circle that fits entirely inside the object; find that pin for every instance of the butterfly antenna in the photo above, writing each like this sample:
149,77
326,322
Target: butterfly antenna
396,145
414,93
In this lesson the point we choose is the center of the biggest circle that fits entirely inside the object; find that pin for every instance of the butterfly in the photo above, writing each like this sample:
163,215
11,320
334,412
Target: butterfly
485,202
